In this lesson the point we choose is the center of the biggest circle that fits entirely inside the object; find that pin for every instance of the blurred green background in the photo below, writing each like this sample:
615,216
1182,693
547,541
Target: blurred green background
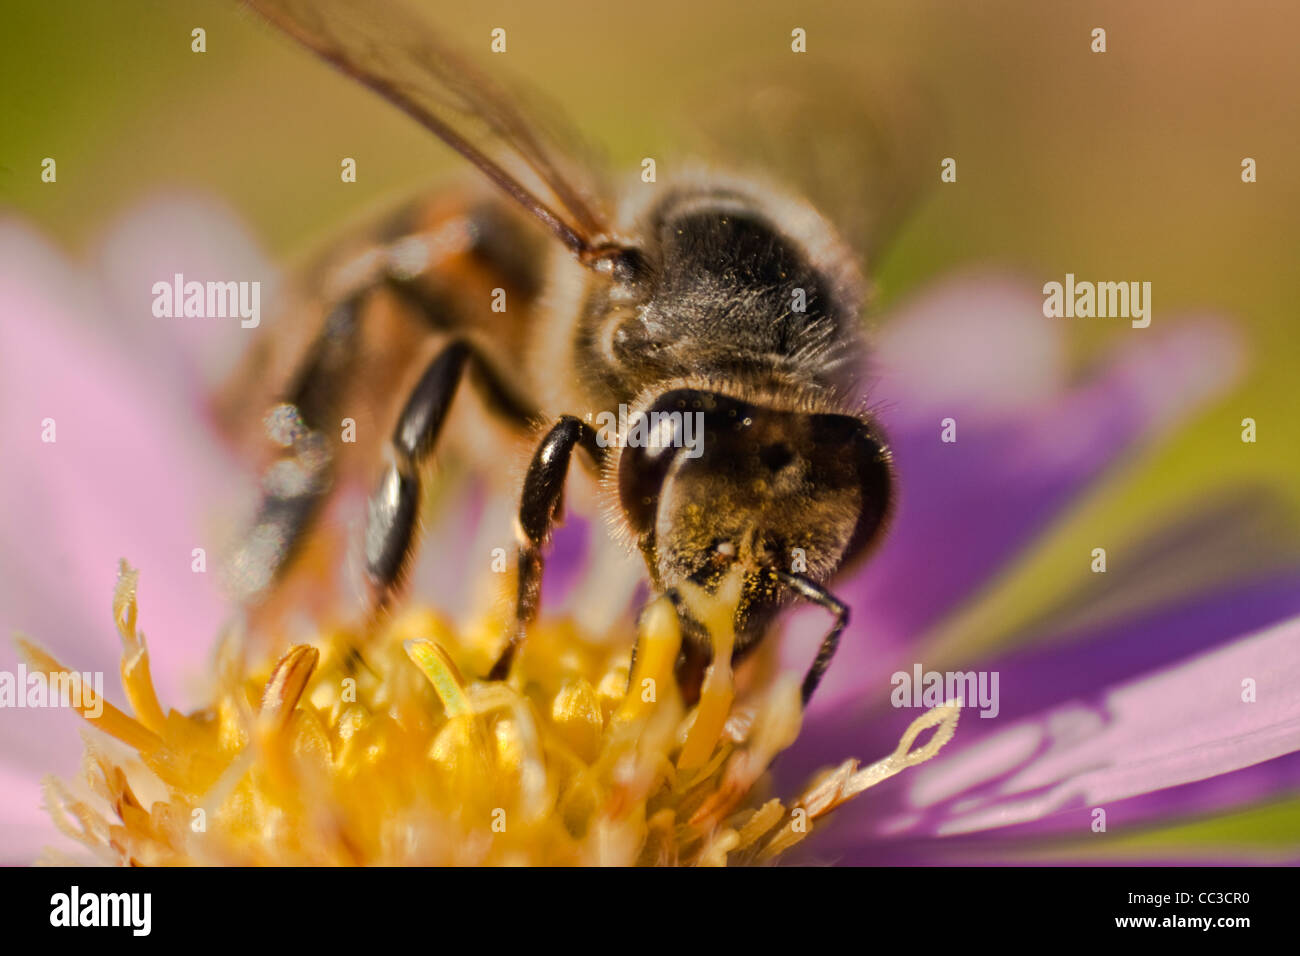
1123,165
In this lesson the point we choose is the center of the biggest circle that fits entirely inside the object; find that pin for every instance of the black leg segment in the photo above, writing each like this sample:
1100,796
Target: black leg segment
540,509
394,507
811,591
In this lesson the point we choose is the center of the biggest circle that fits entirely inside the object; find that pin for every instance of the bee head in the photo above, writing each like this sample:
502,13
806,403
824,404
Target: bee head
718,482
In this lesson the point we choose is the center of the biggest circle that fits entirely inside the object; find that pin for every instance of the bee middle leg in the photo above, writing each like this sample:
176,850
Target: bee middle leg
466,253
540,507
298,484
393,511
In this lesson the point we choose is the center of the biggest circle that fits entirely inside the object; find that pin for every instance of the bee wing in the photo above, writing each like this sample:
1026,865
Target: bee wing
860,148
399,56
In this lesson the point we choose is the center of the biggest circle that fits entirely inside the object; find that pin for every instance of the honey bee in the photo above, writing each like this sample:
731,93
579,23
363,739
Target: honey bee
716,300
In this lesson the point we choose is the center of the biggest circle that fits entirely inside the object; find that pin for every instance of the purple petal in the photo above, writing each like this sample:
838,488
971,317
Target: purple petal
1184,724
966,508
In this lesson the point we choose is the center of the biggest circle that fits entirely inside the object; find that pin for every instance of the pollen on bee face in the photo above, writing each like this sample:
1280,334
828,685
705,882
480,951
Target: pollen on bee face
392,755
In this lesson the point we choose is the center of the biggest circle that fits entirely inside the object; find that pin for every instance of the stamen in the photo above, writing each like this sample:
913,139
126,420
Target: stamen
288,681
442,673
111,720
846,781
718,615
137,681
573,761
657,649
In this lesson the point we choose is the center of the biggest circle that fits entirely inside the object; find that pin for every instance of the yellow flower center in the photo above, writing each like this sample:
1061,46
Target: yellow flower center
389,756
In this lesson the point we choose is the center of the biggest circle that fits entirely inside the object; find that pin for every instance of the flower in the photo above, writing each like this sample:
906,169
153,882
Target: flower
392,758
973,575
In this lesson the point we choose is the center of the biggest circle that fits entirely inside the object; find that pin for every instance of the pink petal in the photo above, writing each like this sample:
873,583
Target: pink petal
975,344
132,473
25,828
1184,724
202,240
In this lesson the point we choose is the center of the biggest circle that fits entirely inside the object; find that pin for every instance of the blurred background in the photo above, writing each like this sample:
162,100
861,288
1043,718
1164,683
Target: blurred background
1122,165
1119,166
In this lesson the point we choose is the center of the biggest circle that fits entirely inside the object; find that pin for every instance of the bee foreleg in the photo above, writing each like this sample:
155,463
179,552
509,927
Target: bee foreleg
811,591
539,509
393,511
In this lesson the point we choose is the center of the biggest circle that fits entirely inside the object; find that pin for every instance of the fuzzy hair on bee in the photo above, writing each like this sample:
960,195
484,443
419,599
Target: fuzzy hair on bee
718,302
